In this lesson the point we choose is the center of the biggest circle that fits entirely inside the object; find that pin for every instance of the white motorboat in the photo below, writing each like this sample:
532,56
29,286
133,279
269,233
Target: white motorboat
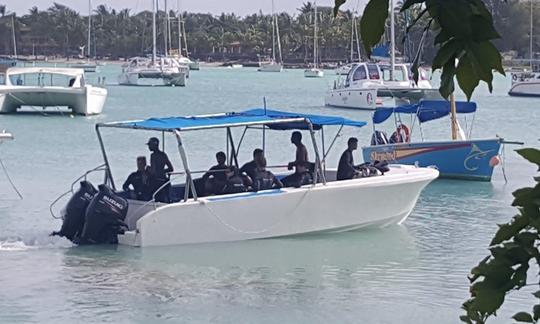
236,66
314,72
50,87
193,65
87,66
525,84
6,136
323,205
343,69
275,64
368,86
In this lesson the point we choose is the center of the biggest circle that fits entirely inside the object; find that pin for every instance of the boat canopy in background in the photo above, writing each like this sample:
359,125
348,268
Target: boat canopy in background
273,119
425,110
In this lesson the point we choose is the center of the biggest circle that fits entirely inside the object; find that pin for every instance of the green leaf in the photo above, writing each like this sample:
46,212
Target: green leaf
467,78
507,231
466,319
337,4
447,79
448,52
536,312
409,3
523,317
372,23
531,154
487,301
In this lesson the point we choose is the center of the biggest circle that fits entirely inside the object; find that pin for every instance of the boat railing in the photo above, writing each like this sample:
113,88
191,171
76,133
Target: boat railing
99,168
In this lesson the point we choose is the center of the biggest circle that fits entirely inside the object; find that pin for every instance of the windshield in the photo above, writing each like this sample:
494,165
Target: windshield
42,79
360,73
373,72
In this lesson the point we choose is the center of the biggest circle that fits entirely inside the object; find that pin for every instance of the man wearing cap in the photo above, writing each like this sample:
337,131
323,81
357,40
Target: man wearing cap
160,166
346,169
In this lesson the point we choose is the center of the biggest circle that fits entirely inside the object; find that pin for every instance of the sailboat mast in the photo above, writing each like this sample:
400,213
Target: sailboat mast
352,38
13,34
392,42
166,30
273,33
89,26
531,38
154,31
315,37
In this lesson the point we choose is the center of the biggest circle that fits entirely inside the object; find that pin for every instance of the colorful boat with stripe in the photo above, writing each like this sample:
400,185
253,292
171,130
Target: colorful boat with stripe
459,158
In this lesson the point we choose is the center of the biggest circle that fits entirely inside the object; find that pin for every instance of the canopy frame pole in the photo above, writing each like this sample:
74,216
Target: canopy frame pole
163,141
108,174
190,184
241,139
338,134
317,157
233,150
453,117
322,144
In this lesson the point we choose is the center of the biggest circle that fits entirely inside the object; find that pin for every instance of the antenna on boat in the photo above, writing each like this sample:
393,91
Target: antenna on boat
264,127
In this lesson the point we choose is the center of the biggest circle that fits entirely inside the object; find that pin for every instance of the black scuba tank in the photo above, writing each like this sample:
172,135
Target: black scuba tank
104,218
75,210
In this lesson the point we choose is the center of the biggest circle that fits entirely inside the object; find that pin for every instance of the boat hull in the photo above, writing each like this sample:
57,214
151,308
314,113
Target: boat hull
335,207
270,67
469,159
525,89
87,100
313,73
168,79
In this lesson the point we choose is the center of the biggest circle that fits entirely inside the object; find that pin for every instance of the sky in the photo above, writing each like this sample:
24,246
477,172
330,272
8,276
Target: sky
240,7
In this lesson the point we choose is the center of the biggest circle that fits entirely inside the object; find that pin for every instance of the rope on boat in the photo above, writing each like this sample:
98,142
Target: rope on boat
232,227
9,179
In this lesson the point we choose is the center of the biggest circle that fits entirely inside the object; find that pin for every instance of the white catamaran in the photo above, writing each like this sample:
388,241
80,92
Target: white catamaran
314,72
322,205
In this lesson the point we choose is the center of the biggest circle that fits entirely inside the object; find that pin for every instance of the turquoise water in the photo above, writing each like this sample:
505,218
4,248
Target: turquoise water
414,273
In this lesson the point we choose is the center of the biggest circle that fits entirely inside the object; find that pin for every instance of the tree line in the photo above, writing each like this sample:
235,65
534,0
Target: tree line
61,31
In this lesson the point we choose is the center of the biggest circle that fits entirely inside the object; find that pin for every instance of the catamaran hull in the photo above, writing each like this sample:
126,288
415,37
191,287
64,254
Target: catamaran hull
87,100
335,207
168,79
470,159
313,73
370,99
270,67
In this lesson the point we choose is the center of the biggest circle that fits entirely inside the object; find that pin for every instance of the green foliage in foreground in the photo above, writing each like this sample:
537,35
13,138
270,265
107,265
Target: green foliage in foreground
465,32
514,246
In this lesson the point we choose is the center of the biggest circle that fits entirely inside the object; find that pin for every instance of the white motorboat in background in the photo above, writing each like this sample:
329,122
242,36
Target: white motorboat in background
50,87
368,86
167,69
274,65
314,72
525,84
343,69
6,136
321,205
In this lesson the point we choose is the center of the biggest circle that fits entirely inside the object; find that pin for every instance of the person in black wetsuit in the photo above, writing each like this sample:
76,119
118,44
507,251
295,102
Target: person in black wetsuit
140,181
160,166
265,179
346,168
215,179
250,168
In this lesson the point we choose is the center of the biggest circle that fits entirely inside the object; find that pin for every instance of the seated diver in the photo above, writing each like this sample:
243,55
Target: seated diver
215,179
250,168
346,168
140,181
265,179
235,182
301,175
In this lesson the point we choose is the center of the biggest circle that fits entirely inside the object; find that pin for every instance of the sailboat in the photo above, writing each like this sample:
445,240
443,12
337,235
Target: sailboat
87,66
168,69
527,84
314,72
273,65
346,68
182,35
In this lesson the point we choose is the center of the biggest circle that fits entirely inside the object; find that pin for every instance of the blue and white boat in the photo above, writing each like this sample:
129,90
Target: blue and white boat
460,158
324,205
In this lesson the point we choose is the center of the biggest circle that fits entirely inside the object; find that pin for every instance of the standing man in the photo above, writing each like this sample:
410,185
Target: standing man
346,169
160,166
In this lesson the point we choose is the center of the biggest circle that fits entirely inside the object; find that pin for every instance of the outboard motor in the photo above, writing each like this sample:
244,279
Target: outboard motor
75,210
104,218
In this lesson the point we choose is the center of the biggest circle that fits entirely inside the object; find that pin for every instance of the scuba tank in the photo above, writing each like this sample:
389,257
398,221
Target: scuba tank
104,218
74,212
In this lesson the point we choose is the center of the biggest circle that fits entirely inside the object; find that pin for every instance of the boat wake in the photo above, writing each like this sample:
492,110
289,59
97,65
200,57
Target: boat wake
32,242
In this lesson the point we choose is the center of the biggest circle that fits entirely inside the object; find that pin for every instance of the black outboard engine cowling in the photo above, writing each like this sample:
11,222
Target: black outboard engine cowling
104,218
75,211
